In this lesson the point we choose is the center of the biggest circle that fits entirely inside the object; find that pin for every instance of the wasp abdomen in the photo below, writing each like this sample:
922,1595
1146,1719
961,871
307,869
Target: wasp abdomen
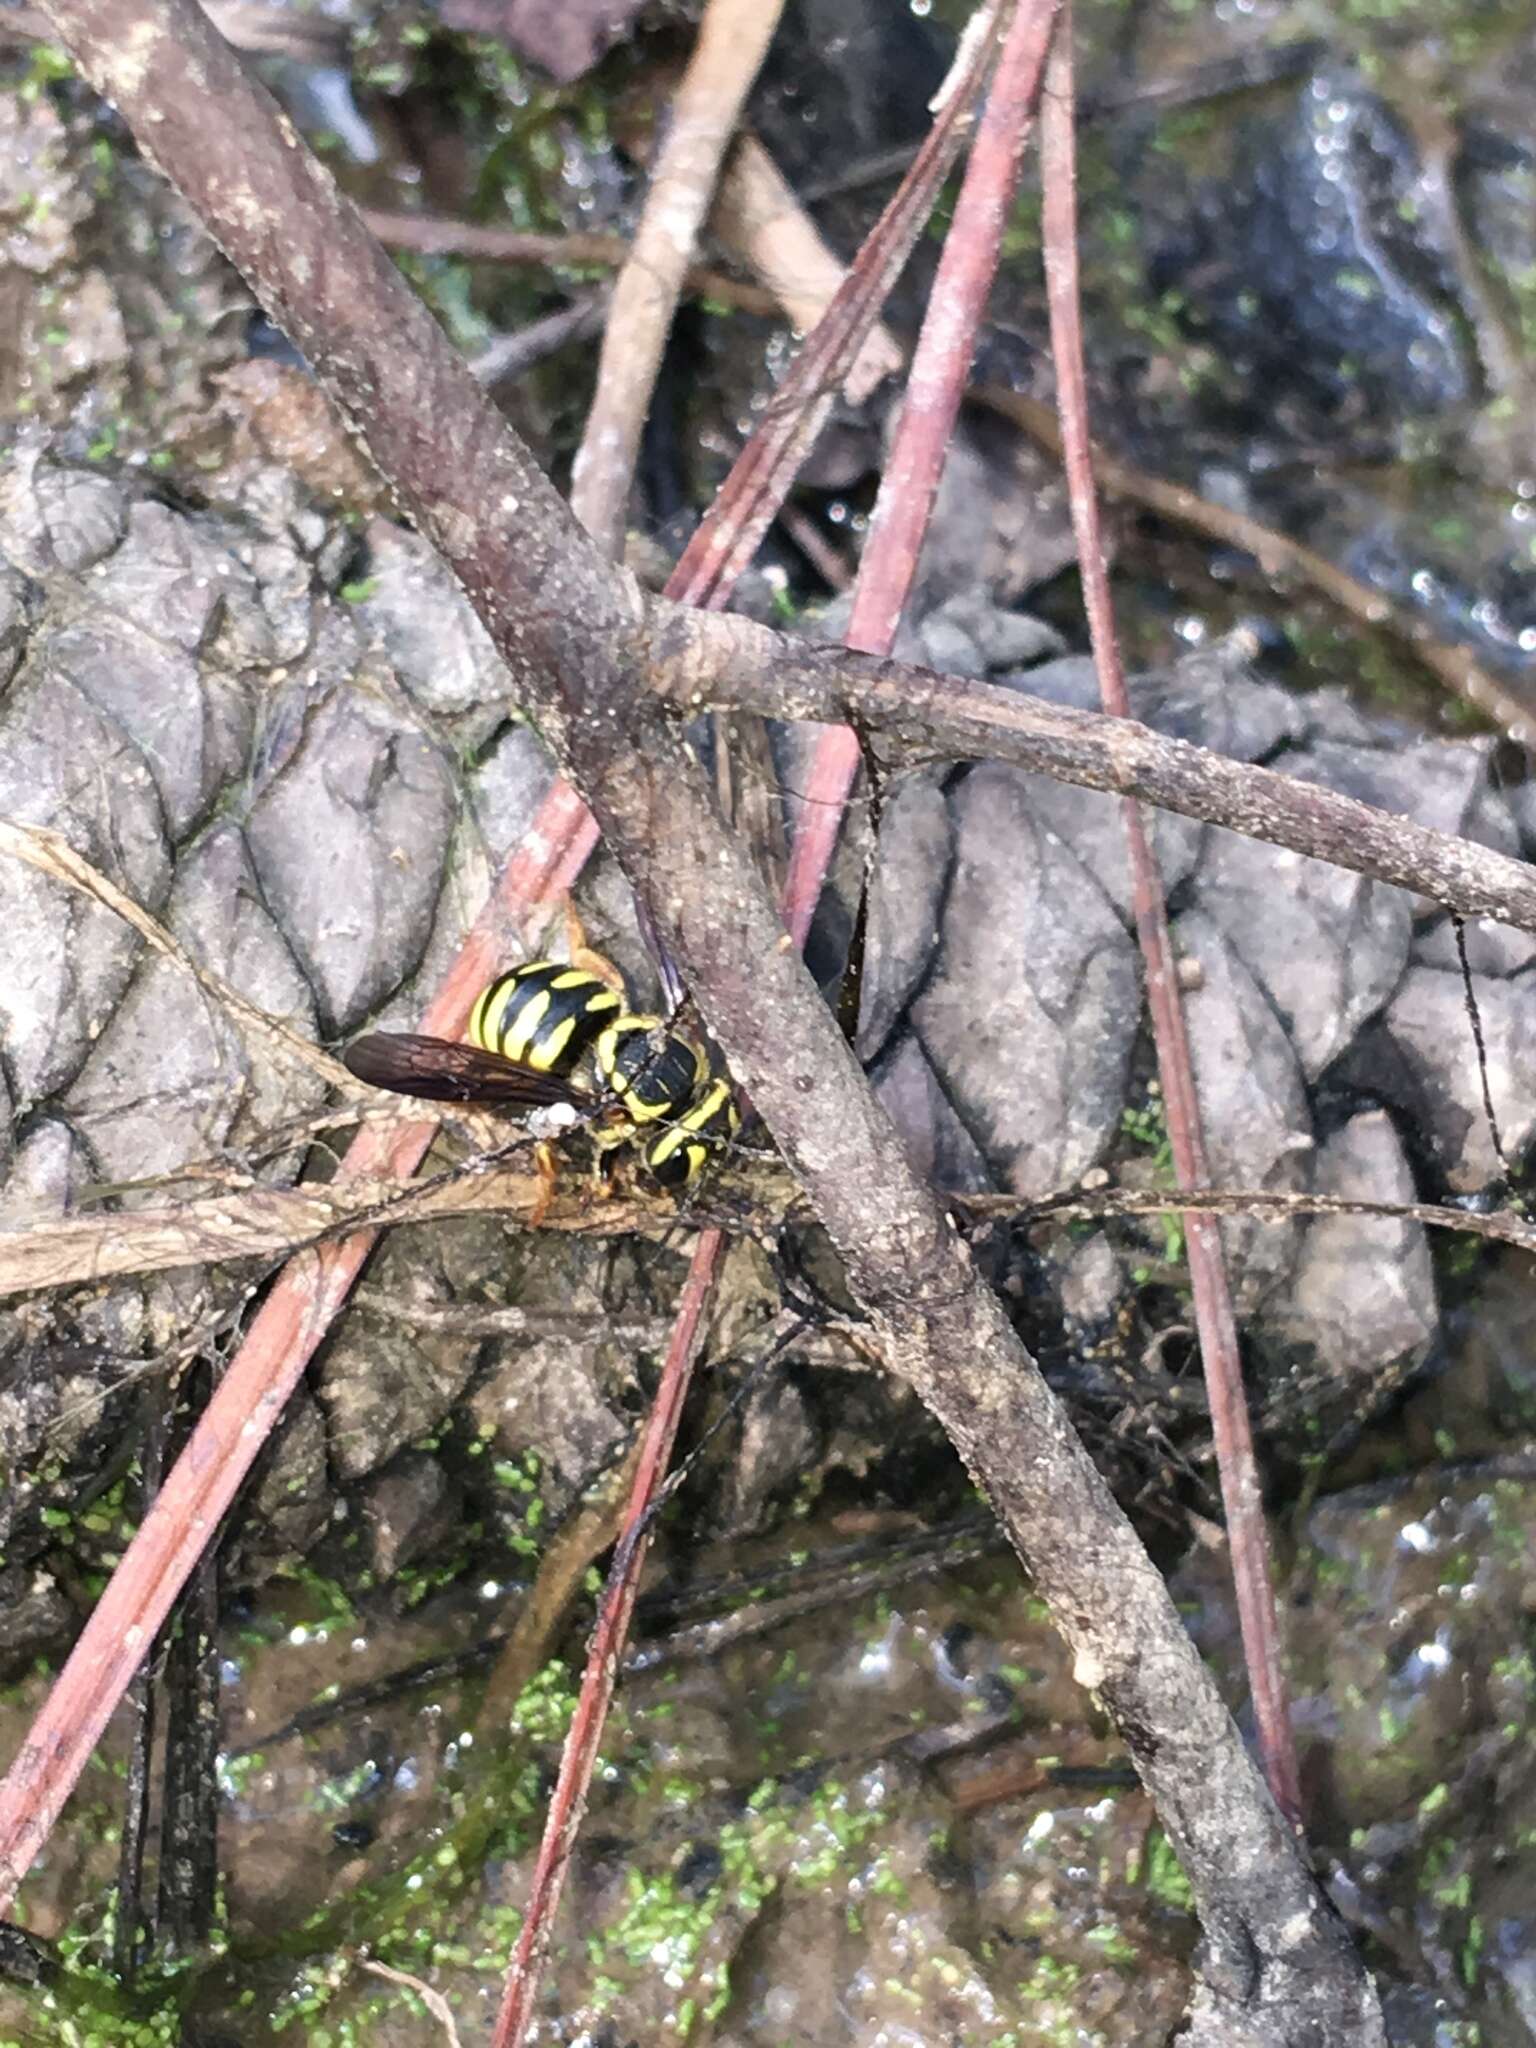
543,1015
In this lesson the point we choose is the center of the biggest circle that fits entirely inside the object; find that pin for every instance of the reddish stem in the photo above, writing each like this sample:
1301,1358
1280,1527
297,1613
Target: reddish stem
202,1484
1214,1318
940,365
746,505
569,1799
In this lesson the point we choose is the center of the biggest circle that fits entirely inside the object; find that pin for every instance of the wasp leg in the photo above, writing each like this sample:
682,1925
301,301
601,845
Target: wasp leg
586,957
604,1160
547,1167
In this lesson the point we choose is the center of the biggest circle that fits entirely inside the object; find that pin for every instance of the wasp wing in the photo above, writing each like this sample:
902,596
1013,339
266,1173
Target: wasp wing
443,1070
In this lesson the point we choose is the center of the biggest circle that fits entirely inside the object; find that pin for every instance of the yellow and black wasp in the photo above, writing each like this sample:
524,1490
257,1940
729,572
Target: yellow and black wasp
545,1036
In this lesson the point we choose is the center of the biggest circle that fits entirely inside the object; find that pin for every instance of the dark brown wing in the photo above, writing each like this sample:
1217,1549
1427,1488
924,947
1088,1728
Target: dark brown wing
442,1070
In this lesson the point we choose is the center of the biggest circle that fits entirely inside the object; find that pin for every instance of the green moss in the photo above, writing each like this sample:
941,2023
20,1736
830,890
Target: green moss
49,64
1472,1952
1162,1874
519,1474
1112,1944
544,1707
1146,1126
332,1602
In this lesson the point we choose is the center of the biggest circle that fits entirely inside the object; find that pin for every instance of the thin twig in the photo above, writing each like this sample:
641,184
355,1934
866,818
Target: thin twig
1278,555
514,355
941,361
264,30
758,215
910,715
732,40
1496,1226
1242,1494
460,1319
823,557
428,234
728,536
582,1538
434,2001
1249,70
763,1612
133,1909
265,1222
52,855
911,480
568,1801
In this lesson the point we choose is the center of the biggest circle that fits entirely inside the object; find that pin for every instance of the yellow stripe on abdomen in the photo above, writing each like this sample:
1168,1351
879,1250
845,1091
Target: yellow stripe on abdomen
546,1054
522,1029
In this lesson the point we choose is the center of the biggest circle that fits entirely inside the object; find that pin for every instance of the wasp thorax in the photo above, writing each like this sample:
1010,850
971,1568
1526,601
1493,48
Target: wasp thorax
654,1072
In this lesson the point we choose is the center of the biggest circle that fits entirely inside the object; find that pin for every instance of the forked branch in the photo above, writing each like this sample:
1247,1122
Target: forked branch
909,715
